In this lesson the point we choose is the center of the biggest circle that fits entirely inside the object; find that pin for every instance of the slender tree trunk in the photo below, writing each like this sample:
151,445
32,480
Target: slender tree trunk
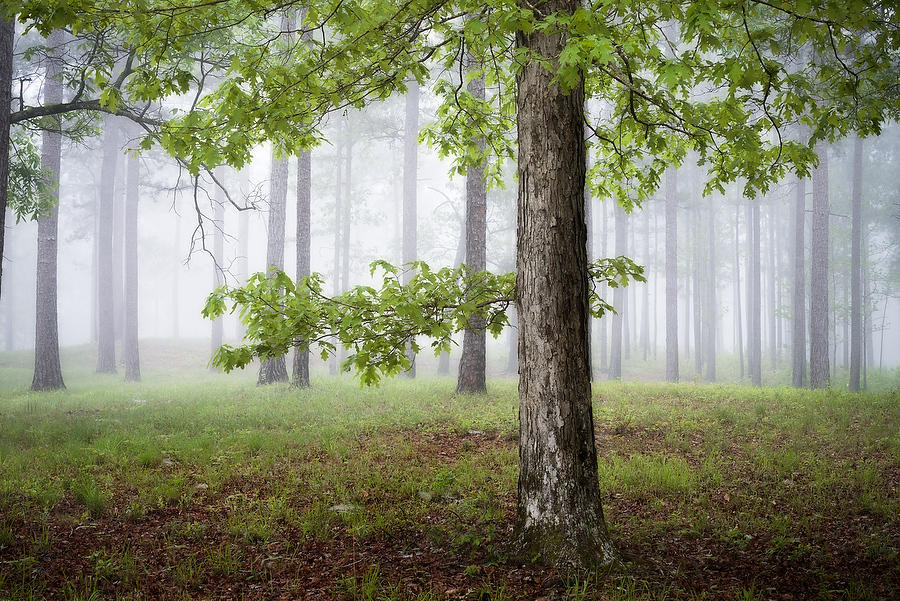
671,275
618,319
410,185
47,370
699,351
772,290
739,319
275,370
347,205
645,307
754,310
868,309
856,308
338,199
130,348
712,309
656,272
218,225
819,372
471,377
106,333
118,261
845,325
603,324
798,330
95,259
304,248
176,240
7,35
243,258
560,518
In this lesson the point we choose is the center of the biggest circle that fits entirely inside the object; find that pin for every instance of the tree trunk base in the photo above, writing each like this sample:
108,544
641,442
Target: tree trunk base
570,546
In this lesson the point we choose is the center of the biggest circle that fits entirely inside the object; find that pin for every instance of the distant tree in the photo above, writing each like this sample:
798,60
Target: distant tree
603,324
410,184
300,376
712,277
274,369
798,329
819,373
106,332
47,371
130,348
856,306
738,317
471,378
616,343
218,254
754,308
671,275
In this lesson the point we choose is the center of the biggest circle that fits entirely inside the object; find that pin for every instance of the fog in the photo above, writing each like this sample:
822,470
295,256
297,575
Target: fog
177,268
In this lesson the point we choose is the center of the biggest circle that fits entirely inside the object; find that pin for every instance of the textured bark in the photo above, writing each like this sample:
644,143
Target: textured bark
618,319
819,373
589,247
856,309
560,518
47,370
712,307
7,34
218,225
130,348
471,377
512,340
410,181
754,309
304,246
275,370
671,275
798,329
106,334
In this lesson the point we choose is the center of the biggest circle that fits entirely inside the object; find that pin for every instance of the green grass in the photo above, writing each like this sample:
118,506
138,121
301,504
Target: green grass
250,486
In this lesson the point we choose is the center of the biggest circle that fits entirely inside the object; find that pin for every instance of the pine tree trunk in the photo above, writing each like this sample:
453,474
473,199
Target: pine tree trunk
304,248
618,318
856,308
130,348
772,291
47,370
118,259
798,329
410,185
819,372
671,275
471,377
106,333
218,225
645,306
275,370
698,297
7,35
560,518
712,310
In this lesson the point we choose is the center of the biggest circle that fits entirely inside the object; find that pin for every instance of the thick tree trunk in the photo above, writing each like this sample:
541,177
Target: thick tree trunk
47,370
560,518
589,247
471,377
410,185
304,248
618,319
130,341
671,275
275,370
798,329
218,225
106,333
819,372
856,308
754,309
712,308
7,35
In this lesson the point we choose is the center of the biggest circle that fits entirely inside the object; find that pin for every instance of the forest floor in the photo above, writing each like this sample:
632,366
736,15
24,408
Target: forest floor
194,485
